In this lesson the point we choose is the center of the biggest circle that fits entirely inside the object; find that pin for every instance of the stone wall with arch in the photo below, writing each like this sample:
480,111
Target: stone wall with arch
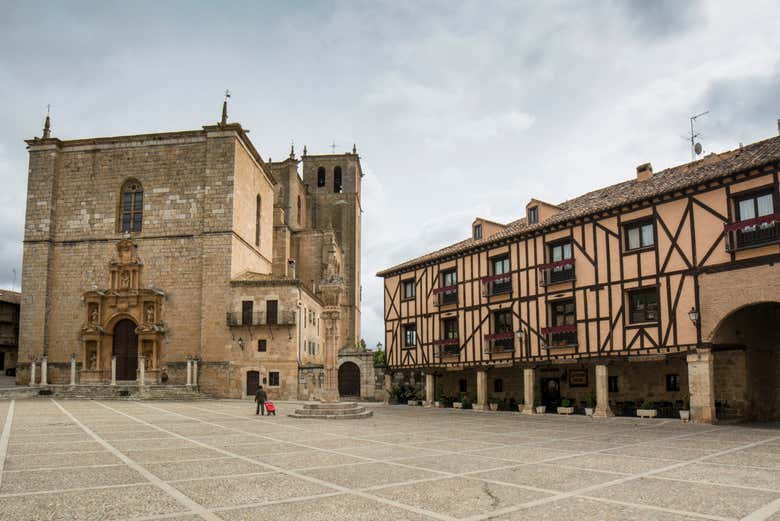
365,362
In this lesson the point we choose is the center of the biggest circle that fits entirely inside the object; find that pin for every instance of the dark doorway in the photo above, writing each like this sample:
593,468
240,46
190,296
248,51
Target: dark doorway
349,379
252,382
2,360
272,311
551,393
125,349
246,312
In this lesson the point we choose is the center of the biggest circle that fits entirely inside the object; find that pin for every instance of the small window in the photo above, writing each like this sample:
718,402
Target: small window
273,379
449,279
450,328
463,385
477,232
643,305
561,251
672,382
502,324
533,215
262,345
500,266
408,289
321,176
132,207
758,206
337,187
410,335
612,384
258,215
639,235
498,385
563,314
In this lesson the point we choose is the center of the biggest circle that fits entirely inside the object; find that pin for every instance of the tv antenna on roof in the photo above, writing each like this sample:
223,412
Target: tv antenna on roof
696,148
333,147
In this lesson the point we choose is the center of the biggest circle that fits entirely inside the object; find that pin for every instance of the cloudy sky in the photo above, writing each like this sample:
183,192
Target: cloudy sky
458,109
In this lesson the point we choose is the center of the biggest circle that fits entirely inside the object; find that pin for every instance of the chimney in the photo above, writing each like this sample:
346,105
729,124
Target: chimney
291,268
644,172
778,126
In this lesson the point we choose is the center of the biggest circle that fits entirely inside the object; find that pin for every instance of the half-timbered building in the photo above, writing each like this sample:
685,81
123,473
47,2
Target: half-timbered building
663,288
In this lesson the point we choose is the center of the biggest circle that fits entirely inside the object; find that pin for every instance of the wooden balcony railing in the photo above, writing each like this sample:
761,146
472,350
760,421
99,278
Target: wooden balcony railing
500,342
496,284
753,232
560,336
557,272
447,346
446,295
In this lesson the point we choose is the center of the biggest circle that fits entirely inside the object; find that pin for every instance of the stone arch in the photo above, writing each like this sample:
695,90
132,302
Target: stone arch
746,362
364,360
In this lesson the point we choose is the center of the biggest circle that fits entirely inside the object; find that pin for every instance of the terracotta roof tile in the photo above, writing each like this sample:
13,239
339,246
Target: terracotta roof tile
666,181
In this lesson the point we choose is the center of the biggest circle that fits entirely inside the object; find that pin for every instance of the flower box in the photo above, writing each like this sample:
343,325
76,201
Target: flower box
565,410
413,402
647,413
685,415
589,411
493,406
541,409
457,405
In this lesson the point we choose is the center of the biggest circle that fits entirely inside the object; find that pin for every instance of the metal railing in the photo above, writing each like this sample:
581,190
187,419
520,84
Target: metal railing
753,232
261,318
557,272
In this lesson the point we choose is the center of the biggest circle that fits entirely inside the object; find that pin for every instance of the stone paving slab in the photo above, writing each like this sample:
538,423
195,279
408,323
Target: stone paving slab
214,459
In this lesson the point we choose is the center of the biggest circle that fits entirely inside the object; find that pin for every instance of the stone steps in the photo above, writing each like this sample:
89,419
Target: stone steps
110,392
332,411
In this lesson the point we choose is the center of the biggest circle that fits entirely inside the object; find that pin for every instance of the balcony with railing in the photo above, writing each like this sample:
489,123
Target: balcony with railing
560,336
261,318
446,295
500,342
557,272
447,347
496,285
752,233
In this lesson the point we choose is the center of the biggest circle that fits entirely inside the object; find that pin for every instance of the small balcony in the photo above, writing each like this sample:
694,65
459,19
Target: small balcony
447,347
560,336
496,285
445,295
261,318
557,272
753,233
500,342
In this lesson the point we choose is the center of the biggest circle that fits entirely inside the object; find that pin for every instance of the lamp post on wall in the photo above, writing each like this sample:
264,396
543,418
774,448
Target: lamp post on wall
693,314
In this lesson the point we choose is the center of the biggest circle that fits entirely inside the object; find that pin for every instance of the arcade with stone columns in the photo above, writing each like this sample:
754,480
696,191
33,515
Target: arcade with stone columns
657,296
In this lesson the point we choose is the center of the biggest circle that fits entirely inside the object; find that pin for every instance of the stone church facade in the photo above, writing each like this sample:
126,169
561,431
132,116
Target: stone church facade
152,256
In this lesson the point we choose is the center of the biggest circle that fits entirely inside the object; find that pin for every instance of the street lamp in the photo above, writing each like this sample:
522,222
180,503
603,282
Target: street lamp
519,334
693,314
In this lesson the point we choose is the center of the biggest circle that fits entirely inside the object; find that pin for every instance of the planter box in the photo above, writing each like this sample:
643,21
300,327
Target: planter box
565,410
493,406
685,415
457,405
541,409
438,405
589,411
412,402
646,413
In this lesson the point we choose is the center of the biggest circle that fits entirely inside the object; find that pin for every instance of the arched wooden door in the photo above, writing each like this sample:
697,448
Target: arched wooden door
125,349
349,379
252,382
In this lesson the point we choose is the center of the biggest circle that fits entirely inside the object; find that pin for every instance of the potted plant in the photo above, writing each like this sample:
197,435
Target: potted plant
447,401
540,409
566,407
685,412
647,410
590,405
466,402
458,403
393,395
493,403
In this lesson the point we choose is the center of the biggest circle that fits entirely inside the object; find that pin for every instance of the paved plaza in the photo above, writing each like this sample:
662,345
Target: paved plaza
88,460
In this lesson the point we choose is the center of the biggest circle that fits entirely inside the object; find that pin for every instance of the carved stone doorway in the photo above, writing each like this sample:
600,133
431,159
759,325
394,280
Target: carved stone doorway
125,349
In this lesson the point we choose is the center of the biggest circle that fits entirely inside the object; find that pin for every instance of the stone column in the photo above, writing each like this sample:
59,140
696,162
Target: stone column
430,389
481,404
388,386
44,371
189,372
602,393
113,370
141,371
73,370
701,374
32,372
195,373
529,390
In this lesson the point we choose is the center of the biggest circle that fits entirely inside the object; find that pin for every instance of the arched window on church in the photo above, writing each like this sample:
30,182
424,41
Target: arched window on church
321,176
299,209
258,214
131,206
337,180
